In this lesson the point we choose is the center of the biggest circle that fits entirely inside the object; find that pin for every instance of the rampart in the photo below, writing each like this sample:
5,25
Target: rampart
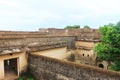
82,34
20,39
46,68
8,45
54,69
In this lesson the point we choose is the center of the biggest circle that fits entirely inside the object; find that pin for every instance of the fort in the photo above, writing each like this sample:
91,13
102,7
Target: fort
53,54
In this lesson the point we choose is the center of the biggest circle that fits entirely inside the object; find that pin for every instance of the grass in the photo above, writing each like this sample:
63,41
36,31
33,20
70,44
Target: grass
25,78
26,75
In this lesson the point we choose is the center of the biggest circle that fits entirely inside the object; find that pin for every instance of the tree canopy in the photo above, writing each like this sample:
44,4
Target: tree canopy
109,48
72,27
86,26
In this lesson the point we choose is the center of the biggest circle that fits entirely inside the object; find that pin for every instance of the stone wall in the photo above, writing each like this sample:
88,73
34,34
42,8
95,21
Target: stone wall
81,34
45,68
21,34
85,53
59,53
84,34
20,43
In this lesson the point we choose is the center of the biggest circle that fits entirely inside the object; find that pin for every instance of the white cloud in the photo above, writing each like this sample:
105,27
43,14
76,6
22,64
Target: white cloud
10,3
31,12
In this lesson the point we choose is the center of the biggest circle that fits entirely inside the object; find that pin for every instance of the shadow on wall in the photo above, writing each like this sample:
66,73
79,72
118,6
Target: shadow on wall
71,58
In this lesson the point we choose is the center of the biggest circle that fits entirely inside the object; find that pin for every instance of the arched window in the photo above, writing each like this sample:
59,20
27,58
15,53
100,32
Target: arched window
101,65
83,54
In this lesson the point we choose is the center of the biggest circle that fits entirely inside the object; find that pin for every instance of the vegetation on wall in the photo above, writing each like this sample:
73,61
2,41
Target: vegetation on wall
77,26
26,75
109,48
86,26
72,27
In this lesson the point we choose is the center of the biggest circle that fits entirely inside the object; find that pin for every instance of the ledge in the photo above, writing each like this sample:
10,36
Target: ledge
45,47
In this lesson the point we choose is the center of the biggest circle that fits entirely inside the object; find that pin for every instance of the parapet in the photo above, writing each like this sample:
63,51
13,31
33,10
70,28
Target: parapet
81,34
47,46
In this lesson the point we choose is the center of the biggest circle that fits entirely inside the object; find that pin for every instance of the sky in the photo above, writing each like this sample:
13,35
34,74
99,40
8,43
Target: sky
30,15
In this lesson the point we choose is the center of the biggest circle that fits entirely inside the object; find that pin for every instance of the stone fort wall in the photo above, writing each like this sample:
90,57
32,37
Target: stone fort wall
41,42
46,68
81,34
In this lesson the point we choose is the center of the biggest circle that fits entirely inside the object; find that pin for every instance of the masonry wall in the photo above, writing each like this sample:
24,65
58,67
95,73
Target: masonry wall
46,68
85,57
81,33
84,44
25,42
84,52
59,53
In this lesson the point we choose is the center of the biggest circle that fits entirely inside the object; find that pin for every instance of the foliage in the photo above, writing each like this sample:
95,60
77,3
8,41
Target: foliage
24,78
86,26
109,48
26,75
111,24
118,24
72,27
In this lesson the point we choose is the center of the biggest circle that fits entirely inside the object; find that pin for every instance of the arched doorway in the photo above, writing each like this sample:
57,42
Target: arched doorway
101,65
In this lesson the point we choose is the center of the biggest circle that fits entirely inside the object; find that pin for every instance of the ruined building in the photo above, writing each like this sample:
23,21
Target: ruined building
46,53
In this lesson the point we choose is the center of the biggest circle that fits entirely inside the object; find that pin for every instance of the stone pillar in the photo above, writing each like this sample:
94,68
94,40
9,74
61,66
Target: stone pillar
1,69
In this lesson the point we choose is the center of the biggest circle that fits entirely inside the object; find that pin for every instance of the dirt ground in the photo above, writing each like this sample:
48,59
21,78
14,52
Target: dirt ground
10,76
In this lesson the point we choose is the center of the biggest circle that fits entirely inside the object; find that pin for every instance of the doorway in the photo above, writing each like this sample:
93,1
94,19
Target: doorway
10,67
101,65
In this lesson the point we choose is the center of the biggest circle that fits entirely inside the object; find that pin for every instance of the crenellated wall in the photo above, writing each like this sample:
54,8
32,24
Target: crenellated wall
54,69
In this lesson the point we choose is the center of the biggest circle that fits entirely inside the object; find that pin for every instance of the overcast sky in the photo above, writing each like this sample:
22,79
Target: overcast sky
27,15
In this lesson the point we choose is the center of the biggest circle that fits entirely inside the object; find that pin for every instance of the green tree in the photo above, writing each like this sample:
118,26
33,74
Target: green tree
109,48
72,27
111,24
118,24
86,26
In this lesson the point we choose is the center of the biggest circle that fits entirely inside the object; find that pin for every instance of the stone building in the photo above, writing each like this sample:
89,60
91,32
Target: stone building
12,62
84,53
53,43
